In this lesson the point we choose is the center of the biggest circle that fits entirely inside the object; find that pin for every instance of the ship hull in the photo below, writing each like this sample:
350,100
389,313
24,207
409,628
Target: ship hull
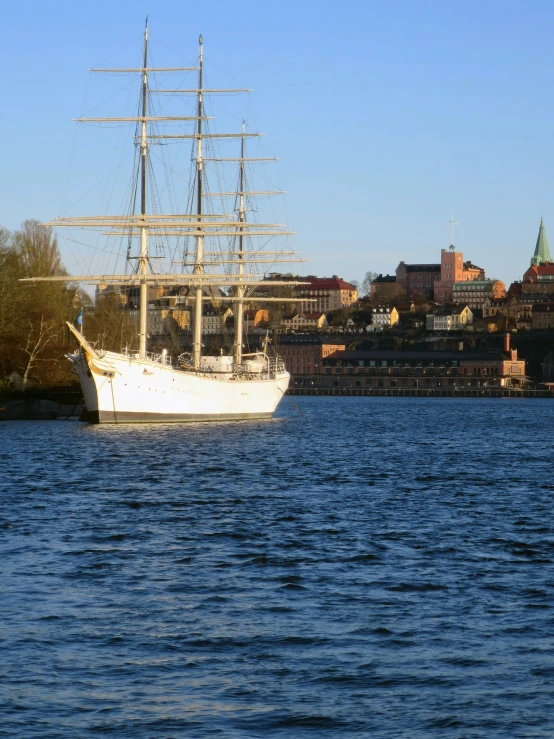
104,417
122,389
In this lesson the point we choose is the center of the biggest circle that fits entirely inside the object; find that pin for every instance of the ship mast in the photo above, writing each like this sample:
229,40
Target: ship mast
143,258
198,267
199,225
240,287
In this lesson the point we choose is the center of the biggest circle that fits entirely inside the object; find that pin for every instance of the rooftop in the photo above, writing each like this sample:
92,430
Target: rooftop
465,284
421,356
422,267
543,269
313,339
470,265
313,316
383,278
453,310
326,283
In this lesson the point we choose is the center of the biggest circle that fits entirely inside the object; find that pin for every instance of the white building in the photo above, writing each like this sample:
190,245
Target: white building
451,319
384,316
213,319
301,321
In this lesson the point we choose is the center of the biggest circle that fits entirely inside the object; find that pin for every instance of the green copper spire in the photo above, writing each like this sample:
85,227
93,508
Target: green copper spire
541,250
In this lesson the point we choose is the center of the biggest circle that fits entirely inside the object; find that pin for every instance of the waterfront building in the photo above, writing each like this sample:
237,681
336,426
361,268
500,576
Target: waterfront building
425,370
449,319
303,354
474,293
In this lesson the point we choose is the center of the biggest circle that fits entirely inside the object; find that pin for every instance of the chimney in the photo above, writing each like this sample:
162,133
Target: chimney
513,355
506,342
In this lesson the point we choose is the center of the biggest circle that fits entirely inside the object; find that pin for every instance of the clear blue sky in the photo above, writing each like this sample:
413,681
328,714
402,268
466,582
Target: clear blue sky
386,116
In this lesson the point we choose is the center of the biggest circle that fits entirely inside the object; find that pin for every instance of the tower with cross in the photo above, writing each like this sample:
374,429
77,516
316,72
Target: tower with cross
452,223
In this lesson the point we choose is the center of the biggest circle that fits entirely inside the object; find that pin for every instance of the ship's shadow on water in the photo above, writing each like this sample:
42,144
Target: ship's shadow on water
380,567
194,426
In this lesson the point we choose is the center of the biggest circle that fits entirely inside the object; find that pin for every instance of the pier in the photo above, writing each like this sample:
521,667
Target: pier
422,393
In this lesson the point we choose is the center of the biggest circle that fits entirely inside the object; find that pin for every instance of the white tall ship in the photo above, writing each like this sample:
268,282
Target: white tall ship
136,385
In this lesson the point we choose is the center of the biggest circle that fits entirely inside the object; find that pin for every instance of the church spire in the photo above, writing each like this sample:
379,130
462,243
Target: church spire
542,253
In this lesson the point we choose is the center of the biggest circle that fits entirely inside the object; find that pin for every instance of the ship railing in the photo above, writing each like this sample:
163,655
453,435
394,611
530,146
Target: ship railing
272,366
163,358
156,357
275,366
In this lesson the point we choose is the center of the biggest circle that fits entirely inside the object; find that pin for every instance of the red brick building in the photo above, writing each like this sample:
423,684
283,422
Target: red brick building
435,281
453,270
418,279
303,354
425,369
539,278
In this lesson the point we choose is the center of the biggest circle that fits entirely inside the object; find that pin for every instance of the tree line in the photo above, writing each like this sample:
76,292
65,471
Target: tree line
33,335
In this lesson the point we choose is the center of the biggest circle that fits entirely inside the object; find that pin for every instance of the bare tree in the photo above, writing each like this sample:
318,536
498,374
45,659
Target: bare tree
110,325
5,238
366,283
39,337
390,293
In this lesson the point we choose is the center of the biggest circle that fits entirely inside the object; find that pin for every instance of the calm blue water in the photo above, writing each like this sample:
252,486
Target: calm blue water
381,568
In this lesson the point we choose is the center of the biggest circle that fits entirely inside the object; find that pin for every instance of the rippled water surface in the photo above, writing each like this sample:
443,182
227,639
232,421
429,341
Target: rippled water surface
381,568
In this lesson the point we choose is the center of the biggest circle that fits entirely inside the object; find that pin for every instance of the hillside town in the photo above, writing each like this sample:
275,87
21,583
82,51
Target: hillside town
445,326
441,325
